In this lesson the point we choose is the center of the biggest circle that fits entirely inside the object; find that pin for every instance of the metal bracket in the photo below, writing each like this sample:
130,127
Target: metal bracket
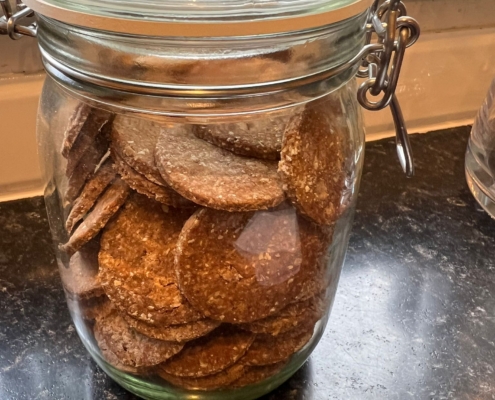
395,31
10,21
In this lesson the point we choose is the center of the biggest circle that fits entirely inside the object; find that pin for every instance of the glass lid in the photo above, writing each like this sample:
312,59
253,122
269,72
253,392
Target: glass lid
212,10
200,17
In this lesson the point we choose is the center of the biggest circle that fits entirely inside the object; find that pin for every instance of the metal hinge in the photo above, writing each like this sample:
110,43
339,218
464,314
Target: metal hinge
10,22
394,31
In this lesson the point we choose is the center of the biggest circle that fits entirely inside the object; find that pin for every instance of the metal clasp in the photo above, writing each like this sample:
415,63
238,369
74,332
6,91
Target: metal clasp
10,21
395,31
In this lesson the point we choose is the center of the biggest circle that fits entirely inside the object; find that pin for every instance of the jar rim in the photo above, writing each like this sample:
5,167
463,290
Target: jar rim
205,67
126,23
172,90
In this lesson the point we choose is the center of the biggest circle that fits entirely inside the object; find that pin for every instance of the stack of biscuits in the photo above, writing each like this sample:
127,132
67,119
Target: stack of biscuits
199,252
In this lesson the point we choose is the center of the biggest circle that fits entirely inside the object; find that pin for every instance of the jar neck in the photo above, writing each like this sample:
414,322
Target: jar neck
248,60
202,76
195,109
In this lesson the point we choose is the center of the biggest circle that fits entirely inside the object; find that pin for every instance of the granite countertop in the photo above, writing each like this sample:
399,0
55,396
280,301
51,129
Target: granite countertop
414,315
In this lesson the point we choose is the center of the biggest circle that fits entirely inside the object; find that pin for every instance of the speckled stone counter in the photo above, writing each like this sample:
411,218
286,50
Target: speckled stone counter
414,316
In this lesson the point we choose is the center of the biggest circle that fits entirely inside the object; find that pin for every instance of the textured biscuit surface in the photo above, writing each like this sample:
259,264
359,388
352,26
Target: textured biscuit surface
175,333
74,127
85,168
137,263
90,308
210,354
269,349
161,193
210,382
312,165
93,188
80,279
134,139
213,177
111,358
290,317
225,260
98,122
259,138
106,206
130,347
254,375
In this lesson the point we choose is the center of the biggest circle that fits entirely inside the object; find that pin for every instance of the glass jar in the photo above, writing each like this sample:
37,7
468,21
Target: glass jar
200,188
222,282
480,155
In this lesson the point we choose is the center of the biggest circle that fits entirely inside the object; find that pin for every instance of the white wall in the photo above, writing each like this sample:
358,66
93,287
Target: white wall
446,74
443,82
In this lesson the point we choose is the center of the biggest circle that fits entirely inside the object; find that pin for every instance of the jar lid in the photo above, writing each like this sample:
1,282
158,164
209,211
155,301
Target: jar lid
199,18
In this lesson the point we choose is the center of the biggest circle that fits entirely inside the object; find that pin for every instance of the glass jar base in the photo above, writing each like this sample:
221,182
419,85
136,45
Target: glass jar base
477,180
150,391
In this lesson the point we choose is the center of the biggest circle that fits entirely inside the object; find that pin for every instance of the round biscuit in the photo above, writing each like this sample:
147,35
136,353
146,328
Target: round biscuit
90,193
137,262
161,193
105,208
258,138
254,375
132,348
211,382
134,139
225,260
269,349
213,177
313,162
80,279
290,317
174,333
210,354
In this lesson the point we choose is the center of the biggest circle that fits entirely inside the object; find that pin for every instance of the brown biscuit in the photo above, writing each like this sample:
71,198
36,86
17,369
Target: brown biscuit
210,354
312,165
100,310
134,139
316,247
259,138
80,278
254,375
312,286
114,361
132,348
91,308
211,382
74,127
87,166
225,260
162,318
174,333
106,206
161,193
137,263
92,190
269,349
98,122
213,177
290,317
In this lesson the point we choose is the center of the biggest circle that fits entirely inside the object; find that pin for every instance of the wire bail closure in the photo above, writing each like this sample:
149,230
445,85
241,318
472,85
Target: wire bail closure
10,21
395,31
